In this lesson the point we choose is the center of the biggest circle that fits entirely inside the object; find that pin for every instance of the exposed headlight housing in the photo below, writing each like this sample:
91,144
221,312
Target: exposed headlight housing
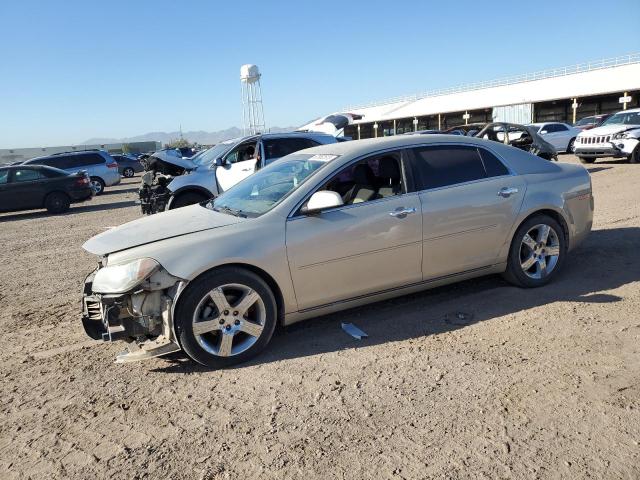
122,278
620,135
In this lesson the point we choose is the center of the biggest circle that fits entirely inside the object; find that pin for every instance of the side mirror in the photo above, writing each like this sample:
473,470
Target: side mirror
220,162
321,200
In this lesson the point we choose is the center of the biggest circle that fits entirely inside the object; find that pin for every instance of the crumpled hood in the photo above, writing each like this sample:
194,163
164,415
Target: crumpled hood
173,223
605,130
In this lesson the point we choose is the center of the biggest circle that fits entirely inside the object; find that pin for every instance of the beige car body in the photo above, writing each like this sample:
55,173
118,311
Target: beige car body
357,254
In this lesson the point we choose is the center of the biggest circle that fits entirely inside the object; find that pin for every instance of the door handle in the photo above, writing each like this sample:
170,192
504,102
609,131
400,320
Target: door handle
506,192
402,212
247,169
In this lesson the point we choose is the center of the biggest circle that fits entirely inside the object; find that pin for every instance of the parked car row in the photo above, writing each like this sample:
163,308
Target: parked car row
30,187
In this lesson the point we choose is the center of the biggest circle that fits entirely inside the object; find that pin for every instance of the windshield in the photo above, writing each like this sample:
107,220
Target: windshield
586,121
259,193
623,118
210,155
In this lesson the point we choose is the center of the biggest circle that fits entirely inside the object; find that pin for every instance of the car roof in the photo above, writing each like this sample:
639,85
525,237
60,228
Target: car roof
370,145
31,167
54,155
309,134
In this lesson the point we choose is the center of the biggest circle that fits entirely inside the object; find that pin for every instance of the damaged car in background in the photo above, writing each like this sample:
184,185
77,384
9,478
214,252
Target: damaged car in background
524,137
174,182
615,137
330,228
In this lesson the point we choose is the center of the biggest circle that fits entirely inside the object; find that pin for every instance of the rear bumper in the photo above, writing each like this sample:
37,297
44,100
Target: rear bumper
81,194
112,177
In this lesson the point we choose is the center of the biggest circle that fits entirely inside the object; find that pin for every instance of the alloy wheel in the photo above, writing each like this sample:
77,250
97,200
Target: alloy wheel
539,251
229,320
97,186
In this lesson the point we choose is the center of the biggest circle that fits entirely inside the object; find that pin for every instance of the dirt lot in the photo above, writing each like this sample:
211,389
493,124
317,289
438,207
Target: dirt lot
533,384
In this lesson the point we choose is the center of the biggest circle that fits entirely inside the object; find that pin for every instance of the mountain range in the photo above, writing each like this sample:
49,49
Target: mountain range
201,137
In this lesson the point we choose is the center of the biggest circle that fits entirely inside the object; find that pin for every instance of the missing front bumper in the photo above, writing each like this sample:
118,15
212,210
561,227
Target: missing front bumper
122,317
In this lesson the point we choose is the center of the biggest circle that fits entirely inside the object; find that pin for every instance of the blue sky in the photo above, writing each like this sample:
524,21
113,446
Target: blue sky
78,69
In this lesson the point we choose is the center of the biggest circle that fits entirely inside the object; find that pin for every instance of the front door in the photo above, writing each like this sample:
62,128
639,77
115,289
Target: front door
469,203
238,164
370,244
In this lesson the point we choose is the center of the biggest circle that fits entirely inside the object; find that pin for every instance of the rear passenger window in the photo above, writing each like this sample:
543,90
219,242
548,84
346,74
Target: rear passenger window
86,159
492,165
25,175
279,147
447,165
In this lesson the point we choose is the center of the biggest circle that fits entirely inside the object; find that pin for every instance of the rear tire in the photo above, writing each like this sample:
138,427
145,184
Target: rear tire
187,198
57,202
98,185
128,172
535,258
226,317
586,159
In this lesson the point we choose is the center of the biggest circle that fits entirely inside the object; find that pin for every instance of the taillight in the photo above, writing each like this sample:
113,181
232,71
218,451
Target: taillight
82,181
112,165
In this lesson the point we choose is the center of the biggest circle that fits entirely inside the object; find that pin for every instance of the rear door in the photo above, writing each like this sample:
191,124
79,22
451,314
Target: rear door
276,148
469,203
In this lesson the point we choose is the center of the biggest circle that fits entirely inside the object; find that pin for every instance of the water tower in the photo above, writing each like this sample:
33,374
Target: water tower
252,113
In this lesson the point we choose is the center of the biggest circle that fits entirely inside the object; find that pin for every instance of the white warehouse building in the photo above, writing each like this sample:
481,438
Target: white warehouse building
562,94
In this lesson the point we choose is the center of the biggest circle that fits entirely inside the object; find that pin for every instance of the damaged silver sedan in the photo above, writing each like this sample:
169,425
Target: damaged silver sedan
326,229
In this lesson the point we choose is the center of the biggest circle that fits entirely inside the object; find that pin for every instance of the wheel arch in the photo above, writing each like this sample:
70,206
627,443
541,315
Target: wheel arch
269,280
188,189
551,212
46,195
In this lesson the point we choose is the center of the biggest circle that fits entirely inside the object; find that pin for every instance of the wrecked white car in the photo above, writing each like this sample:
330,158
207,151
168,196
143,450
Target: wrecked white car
627,143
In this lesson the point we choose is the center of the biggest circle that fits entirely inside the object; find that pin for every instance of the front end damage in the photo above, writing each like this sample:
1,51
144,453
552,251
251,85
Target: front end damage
160,168
141,317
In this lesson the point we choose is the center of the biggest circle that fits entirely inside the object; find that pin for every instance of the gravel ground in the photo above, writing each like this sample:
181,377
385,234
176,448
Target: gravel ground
538,383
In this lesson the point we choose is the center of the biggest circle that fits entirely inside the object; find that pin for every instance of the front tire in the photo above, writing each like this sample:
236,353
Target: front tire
128,172
226,317
572,146
586,159
57,202
537,252
635,155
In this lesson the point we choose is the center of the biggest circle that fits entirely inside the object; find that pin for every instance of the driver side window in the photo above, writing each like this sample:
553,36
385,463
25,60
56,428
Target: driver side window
241,153
370,179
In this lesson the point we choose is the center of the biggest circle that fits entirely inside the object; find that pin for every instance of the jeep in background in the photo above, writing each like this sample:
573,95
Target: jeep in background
601,142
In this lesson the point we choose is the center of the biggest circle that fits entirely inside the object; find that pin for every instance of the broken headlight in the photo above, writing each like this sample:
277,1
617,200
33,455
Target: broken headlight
122,278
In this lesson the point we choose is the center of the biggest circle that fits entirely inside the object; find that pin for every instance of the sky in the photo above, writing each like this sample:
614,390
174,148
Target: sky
73,70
